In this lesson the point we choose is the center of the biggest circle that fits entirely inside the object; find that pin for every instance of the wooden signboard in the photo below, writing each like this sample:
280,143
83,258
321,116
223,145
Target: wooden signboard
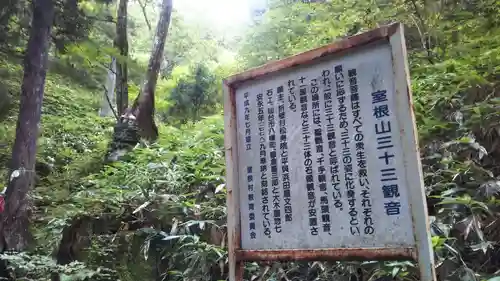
322,157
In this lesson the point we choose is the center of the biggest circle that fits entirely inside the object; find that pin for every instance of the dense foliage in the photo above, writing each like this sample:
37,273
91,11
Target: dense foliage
159,213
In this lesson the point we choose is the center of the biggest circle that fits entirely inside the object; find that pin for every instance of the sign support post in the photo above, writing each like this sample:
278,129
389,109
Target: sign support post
233,210
322,158
409,140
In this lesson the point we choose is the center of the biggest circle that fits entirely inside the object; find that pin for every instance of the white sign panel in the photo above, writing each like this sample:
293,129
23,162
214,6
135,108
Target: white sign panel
321,159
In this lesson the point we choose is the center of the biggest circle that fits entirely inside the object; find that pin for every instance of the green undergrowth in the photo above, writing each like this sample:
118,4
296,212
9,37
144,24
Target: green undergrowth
174,180
155,187
182,160
70,130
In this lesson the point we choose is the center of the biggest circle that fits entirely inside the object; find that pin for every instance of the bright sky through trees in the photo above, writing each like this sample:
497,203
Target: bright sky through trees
220,13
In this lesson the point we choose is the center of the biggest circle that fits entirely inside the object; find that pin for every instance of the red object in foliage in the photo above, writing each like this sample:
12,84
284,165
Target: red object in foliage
2,204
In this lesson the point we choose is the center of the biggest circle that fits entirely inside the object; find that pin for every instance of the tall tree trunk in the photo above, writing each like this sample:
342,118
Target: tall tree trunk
109,91
14,223
143,107
138,121
121,42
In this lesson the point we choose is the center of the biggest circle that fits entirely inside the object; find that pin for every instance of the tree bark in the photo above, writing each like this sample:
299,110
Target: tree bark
14,224
121,42
138,121
143,107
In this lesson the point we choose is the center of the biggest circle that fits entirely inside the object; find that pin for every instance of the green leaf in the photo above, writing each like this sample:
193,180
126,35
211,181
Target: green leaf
435,240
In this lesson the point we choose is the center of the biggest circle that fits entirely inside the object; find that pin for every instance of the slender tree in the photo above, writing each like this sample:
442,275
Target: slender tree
14,223
143,107
138,121
121,42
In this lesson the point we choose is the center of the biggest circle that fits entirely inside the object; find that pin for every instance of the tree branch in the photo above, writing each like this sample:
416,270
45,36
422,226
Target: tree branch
425,42
109,102
143,7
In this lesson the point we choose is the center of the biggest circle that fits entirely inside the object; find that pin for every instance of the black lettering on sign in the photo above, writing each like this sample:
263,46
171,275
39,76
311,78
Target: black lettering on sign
333,160
271,120
285,172
306,137
264,183
251,202
248,131
320,157
292,98
347,158
362,171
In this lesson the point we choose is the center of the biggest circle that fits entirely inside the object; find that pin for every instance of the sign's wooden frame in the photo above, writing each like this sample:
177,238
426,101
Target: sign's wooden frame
392,34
